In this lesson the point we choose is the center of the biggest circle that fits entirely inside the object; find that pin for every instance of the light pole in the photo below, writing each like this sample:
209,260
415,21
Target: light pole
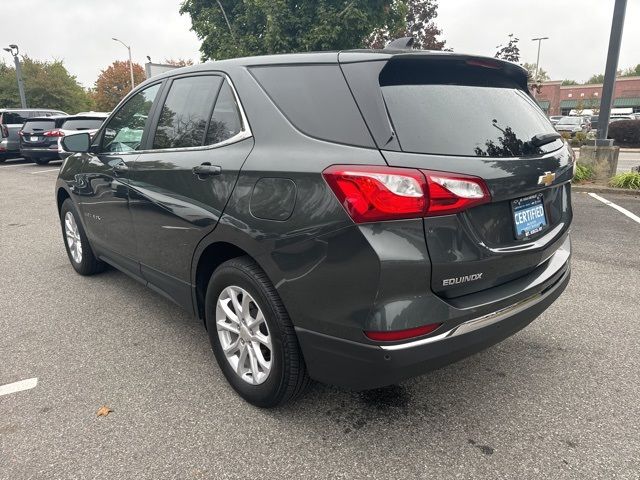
539,40
130,63
13,50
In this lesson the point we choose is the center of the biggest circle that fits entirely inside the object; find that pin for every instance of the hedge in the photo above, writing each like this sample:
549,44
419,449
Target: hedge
625,132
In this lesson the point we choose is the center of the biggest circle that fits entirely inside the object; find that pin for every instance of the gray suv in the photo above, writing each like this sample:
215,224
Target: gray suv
11,121
357,218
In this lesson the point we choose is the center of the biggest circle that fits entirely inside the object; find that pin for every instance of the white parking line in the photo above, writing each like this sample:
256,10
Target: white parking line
13,165
624,211
18,386
45,171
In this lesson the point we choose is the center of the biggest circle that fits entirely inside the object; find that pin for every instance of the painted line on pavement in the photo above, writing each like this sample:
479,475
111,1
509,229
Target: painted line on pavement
46,171
624,211
14,165
18,386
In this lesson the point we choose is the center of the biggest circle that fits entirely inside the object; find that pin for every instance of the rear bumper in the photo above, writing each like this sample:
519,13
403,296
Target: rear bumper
41,152
360,366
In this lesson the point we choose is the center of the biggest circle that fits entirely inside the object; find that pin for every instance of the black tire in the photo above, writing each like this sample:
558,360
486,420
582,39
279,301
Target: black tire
287,377
88,264
41,161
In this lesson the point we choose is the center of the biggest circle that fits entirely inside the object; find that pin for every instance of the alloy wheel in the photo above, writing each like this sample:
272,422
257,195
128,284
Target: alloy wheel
244,335
73,237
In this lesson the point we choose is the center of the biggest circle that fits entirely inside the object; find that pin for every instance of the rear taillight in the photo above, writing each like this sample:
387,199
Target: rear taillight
53,133
452,193
5,131
372,193
396,335
20,133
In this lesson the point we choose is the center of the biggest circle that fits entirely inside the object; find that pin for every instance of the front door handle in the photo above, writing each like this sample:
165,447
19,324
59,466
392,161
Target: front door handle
206,170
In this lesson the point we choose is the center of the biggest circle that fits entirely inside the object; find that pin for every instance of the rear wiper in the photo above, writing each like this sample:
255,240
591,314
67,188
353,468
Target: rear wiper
543,138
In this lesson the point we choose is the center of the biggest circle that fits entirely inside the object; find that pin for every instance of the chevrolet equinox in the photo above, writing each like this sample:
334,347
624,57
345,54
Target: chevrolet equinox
356,217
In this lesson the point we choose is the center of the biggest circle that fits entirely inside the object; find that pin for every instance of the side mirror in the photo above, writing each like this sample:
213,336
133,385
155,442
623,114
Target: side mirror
77,143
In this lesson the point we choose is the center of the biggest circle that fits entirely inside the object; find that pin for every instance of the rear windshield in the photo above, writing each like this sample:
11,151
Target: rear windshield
570,121
82,124
9,118
463,113
39,125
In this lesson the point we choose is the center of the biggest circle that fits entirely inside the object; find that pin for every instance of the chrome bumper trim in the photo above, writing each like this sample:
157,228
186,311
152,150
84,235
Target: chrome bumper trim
479,322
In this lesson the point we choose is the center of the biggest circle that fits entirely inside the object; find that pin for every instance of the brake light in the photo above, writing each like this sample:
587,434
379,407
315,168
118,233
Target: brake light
21,133
395,335
54,133
5,131
373,193
451,193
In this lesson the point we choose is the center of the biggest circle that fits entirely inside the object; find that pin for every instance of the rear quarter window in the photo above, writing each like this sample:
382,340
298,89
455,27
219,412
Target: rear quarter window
316,100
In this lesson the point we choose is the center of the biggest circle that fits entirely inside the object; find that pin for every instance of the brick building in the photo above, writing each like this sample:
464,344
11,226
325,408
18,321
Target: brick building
556,99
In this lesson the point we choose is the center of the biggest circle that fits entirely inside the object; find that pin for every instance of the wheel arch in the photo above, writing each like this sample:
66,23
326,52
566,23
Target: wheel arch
211,257
61,196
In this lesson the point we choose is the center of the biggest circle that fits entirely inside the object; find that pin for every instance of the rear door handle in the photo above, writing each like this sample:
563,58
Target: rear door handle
206,170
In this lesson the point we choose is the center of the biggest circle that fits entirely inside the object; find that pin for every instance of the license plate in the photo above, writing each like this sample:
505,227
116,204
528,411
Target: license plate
35,139
528,216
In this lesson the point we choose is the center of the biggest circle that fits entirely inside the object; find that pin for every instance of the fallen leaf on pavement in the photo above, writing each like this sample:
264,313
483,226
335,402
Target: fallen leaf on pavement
103,411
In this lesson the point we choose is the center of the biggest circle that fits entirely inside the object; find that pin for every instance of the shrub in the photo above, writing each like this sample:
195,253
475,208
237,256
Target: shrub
629,180
625,132
584,173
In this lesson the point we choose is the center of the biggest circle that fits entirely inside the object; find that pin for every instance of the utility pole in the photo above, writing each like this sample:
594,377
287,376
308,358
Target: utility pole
613,55
13,50
539,40
130,62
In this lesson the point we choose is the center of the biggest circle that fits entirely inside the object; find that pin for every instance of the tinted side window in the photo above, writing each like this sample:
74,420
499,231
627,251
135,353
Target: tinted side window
317,100
185,113
225,121
9,118
124,131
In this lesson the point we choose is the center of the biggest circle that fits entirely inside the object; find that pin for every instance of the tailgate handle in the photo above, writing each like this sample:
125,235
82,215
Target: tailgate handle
206,169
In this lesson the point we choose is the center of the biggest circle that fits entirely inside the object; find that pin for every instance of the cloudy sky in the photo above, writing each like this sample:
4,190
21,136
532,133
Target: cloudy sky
79,32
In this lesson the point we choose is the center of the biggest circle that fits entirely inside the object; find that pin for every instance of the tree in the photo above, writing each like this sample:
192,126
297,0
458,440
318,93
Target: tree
597,78
114,83
180,62
510,51
569,82
632,71
229,28
46,84
543,76
419,24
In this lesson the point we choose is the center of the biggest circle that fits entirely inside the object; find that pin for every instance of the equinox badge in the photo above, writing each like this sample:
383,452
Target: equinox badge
464,279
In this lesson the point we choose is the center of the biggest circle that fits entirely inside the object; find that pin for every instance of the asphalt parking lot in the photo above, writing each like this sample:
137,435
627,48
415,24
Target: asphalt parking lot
561,399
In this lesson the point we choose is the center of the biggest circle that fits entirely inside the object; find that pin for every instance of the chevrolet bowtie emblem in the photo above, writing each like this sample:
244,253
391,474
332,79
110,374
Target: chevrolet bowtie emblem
546,179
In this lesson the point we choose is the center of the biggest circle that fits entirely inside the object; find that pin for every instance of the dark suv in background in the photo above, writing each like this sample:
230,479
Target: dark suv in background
40,136
357,218
11,121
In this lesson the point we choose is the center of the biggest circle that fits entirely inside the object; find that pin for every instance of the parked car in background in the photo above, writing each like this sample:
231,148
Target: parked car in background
554,119
40,137
323,216
11,121
572,125
618,118
594,122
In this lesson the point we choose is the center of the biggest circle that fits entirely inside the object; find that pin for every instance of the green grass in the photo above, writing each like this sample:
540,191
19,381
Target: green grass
584,173
630,180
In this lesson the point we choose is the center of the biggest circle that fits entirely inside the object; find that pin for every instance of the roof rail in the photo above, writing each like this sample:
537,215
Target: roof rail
404,43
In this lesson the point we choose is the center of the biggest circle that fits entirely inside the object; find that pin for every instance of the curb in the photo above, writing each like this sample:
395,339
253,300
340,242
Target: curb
622,150
592,188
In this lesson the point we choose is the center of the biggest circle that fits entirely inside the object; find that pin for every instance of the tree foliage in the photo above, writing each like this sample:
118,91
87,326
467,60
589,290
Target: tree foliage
632,71
597,78
510,51
114,83
231,28
419,24
569,82
179,62
542,76
46,84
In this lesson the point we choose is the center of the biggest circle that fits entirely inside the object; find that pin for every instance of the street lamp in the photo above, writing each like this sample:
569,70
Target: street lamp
539,40
13,50
130,63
